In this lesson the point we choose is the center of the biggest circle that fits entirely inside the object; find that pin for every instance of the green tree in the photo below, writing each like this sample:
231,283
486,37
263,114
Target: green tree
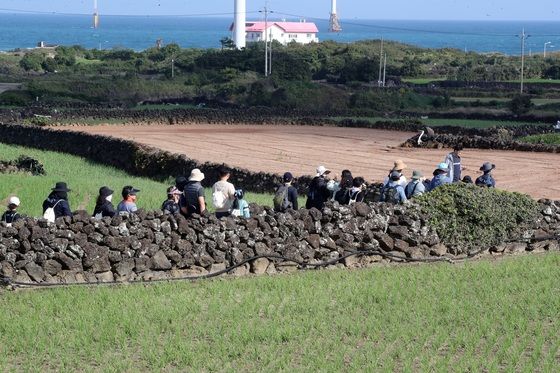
227,43
520,104
31,62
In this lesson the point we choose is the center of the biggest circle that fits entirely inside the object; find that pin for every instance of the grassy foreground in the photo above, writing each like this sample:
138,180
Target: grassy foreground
479,316
549,138
84,178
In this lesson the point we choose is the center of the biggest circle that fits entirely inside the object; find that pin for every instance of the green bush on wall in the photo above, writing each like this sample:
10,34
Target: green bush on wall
468,217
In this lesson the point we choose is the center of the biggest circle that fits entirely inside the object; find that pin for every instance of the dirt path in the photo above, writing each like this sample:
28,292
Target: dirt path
369,153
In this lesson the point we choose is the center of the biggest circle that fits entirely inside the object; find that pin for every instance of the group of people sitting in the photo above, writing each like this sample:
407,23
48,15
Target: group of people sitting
396,188
187,196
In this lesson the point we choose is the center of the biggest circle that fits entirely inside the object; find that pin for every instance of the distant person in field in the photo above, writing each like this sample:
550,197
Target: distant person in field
415,187
393,192
171,204
12,215
193,201
440,177
104,204
223,193
128,203
453,161
557,126
240,207
486,179
318,192
286,196
399,166
58,201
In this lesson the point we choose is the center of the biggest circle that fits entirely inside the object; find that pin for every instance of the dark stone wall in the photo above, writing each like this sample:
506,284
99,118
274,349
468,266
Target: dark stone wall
150,245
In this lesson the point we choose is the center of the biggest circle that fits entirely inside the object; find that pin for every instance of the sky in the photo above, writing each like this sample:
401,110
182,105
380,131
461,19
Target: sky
491,10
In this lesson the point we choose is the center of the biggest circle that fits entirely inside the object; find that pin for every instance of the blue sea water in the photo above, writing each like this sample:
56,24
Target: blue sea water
141,32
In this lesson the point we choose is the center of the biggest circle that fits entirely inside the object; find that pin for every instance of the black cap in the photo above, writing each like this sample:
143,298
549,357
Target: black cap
129,191
288,177
180,182
105,191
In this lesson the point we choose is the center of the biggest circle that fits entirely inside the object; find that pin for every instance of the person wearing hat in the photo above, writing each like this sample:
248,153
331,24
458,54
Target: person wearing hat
398,166
192,201
440,177
319,192
180,183
486,179
453,161
58,200
128,203
171,204
286,196
104,204
416,186
393,192
11,215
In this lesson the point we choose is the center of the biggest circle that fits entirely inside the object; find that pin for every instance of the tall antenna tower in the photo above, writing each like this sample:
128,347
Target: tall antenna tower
334,23
95,15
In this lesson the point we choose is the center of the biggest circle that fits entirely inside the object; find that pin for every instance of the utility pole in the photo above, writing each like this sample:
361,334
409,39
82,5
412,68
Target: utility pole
379,81
384,69
270,55
523,37
267,69
545,44
172,68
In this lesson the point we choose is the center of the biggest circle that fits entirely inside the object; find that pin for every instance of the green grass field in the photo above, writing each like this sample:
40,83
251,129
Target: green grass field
549,138
536,101
436,122
84,178
479,316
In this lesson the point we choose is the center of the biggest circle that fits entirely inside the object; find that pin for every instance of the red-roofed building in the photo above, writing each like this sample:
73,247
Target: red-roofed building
283,32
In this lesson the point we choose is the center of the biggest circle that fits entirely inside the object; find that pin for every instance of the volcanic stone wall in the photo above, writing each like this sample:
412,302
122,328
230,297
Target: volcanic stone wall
151,245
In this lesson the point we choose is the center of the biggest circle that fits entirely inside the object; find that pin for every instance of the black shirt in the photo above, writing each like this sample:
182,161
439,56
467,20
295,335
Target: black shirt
105,209
11,216
189,199
170,206
61,206
318,193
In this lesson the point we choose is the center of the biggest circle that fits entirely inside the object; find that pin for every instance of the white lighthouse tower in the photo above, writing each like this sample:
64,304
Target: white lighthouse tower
240,11
334,23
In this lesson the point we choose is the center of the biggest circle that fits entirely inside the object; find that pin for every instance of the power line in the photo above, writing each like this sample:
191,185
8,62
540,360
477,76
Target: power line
9,10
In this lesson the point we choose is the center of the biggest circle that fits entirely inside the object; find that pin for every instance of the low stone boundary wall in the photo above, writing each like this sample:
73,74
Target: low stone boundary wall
150,245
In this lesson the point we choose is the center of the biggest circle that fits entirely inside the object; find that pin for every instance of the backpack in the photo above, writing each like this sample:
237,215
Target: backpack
281,202
410,193
49,214
353,196
391,195
218,199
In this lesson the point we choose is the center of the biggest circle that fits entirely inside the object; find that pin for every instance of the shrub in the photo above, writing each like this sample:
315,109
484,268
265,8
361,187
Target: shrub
520,104
468,217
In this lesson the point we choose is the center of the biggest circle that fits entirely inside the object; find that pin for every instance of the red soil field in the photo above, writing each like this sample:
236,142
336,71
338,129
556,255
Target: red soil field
366,152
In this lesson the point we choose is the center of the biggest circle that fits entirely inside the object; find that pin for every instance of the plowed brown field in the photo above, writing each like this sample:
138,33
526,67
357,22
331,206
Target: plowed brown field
366,152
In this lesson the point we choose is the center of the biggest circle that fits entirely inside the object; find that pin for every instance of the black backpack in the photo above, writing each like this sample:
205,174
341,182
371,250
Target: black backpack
391,195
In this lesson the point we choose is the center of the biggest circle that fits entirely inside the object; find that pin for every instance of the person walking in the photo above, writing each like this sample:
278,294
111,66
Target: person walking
486,179
171,204
286,196
415,187
104,204
128,203
440,177
12,215
57,202
223,193
453,161
193,201
318,192
393,192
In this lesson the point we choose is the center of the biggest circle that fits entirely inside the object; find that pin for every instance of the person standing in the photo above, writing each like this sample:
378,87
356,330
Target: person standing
104,204
453,161
440,177
416,186
286,196
486,179
223,193
58,201
319,192
128,204
398,166
193,201
12,215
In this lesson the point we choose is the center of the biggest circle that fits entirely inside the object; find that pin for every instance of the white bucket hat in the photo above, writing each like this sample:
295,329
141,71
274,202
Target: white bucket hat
322,170
14,201
196,175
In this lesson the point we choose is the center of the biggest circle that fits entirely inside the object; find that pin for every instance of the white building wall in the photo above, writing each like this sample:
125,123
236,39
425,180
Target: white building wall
278,34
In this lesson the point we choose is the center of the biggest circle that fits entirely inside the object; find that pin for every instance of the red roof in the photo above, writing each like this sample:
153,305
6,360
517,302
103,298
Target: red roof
289,27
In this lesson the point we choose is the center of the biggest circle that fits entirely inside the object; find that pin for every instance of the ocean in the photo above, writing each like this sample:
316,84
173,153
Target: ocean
141,32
